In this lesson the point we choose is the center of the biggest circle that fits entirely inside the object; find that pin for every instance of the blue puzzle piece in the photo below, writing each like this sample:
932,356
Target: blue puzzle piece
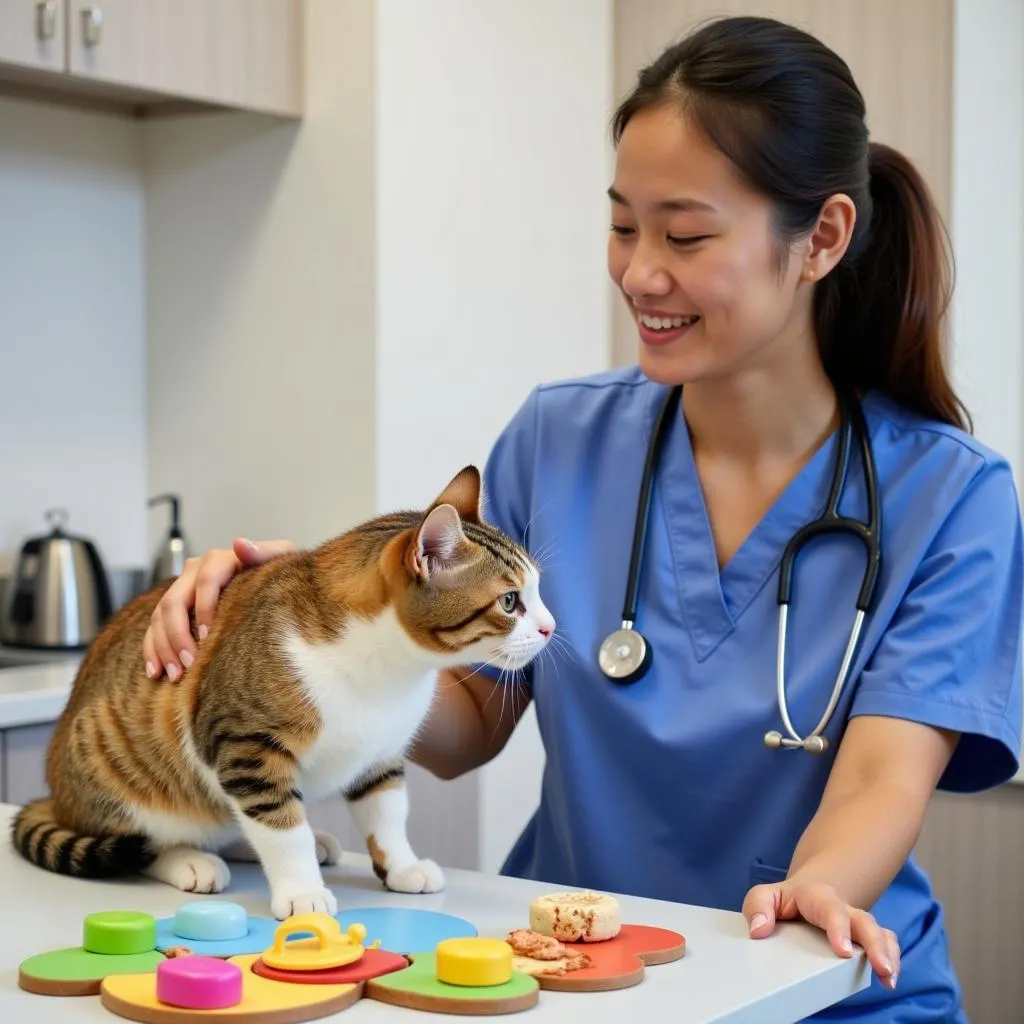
398,929
404,930
259,936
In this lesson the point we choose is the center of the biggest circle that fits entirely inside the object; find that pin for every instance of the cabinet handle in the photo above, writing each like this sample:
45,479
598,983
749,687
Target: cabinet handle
92,22
46,19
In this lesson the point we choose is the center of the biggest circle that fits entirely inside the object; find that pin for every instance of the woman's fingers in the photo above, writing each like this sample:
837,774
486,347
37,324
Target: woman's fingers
169,646
216,569
759,908
256,552
820,905
880,944
163,643
156,648
844,925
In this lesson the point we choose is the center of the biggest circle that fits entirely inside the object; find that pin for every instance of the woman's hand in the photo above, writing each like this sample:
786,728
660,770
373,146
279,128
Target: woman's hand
168,645
821,905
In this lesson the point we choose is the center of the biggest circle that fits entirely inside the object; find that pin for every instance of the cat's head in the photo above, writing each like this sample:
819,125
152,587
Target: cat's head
465,590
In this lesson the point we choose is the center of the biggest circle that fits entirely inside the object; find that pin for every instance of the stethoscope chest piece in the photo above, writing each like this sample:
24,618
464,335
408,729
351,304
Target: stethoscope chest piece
625,655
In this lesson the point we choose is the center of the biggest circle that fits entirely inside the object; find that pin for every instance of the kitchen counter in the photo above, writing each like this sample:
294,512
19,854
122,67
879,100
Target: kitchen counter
723,977
33,694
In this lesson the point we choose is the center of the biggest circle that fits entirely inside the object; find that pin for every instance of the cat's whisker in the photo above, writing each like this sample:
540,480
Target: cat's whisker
565,646
561,645
529,523
544,552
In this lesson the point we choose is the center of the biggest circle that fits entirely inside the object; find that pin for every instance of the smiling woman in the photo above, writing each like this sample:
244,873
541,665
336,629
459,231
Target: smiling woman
778,266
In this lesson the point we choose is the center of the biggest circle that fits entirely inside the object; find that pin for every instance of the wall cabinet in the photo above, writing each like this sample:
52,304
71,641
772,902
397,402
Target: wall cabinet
156,56
32,34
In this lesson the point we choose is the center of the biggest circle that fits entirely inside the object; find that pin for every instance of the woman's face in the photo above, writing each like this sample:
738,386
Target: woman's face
692,251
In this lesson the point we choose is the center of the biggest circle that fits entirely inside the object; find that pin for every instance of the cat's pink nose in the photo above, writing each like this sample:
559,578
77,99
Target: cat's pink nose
544,630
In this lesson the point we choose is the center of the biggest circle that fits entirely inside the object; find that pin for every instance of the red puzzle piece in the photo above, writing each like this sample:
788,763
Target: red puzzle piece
372,964
619,962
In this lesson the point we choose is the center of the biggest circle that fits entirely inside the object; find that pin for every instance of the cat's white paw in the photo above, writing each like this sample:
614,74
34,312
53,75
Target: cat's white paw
328,849
190,870
288,901
422,876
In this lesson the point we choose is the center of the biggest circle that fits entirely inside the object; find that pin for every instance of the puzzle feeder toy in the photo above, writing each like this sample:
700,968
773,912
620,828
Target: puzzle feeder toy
212,959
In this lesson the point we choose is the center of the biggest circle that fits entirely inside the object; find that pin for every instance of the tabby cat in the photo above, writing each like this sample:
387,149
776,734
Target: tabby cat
318,671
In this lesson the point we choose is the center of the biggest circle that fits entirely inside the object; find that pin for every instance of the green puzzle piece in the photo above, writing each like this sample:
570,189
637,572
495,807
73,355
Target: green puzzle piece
78,964
421,978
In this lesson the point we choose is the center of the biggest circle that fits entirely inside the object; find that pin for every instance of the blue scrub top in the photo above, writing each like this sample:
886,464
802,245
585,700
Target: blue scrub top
664,788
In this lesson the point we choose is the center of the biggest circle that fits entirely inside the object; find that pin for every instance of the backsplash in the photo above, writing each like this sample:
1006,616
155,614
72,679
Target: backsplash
72,330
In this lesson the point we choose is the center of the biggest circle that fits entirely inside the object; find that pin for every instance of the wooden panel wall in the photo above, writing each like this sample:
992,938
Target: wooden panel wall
900,52
972,848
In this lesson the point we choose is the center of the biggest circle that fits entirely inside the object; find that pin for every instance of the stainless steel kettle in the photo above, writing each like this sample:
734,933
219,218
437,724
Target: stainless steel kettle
59,595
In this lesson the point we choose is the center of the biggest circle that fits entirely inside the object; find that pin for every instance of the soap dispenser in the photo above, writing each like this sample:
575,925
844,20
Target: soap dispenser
170,557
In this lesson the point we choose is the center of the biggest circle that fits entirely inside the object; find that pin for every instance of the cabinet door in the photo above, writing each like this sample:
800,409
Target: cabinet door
242,53
32,33
25,762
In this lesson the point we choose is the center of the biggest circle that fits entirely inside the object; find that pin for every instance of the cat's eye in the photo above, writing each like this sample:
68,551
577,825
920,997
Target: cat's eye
509,602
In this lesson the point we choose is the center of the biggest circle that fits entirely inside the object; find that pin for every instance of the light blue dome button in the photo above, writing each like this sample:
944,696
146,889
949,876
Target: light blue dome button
211,921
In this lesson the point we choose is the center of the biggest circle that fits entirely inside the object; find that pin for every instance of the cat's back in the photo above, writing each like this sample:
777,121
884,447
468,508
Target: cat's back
115,658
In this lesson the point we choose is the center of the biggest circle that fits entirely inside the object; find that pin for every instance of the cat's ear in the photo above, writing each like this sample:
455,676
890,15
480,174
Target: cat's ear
463,494
438,542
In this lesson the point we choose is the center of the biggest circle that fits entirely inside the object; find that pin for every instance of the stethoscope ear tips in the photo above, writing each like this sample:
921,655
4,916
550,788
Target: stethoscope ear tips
812,744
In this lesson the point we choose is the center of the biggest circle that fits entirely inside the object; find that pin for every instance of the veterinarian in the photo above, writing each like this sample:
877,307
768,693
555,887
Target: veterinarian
792,278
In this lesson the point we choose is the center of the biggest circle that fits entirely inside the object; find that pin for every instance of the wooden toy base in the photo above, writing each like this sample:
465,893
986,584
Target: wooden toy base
263,1001
418,989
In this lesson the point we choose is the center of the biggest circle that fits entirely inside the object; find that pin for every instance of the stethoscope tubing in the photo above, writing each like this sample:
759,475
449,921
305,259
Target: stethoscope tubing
633,649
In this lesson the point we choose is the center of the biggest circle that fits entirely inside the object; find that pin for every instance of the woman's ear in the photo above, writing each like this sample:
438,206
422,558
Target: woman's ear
830,238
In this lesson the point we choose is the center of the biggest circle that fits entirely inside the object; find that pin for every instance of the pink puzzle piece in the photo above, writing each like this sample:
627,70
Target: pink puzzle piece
199,983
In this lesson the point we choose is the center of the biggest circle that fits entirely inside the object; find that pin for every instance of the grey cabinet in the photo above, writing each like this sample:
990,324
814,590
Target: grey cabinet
23,760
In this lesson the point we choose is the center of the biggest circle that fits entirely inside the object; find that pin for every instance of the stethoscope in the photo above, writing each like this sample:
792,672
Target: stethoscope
625,655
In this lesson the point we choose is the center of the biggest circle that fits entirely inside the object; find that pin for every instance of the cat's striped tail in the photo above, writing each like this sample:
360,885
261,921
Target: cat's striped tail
44,842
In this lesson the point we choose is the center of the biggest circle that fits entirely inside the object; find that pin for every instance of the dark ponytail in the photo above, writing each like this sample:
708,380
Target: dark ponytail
786,111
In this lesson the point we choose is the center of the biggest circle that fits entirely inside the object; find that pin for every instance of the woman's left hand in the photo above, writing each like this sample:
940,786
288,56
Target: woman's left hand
821,905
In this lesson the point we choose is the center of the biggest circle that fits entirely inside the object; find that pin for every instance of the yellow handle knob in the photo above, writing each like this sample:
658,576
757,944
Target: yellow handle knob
316,923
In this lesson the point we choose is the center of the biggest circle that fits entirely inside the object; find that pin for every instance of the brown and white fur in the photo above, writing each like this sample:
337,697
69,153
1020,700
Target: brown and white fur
317,673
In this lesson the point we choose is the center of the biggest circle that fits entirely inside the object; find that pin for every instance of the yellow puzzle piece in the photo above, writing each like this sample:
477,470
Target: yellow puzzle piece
328,946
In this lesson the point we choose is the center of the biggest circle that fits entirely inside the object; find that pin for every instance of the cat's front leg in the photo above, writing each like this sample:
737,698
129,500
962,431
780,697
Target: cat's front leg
259,776
379,803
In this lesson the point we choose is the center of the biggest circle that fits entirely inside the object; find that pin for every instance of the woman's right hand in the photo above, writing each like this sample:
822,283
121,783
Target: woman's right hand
168,645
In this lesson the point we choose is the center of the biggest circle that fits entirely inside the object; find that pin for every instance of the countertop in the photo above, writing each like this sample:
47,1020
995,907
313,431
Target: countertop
723,977
33,694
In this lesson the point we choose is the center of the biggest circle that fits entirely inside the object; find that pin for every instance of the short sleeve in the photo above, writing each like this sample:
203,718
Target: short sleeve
951,656
508,486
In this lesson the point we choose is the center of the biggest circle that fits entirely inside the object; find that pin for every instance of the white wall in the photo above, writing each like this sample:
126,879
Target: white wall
987,221
492,225
260,255
72,333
